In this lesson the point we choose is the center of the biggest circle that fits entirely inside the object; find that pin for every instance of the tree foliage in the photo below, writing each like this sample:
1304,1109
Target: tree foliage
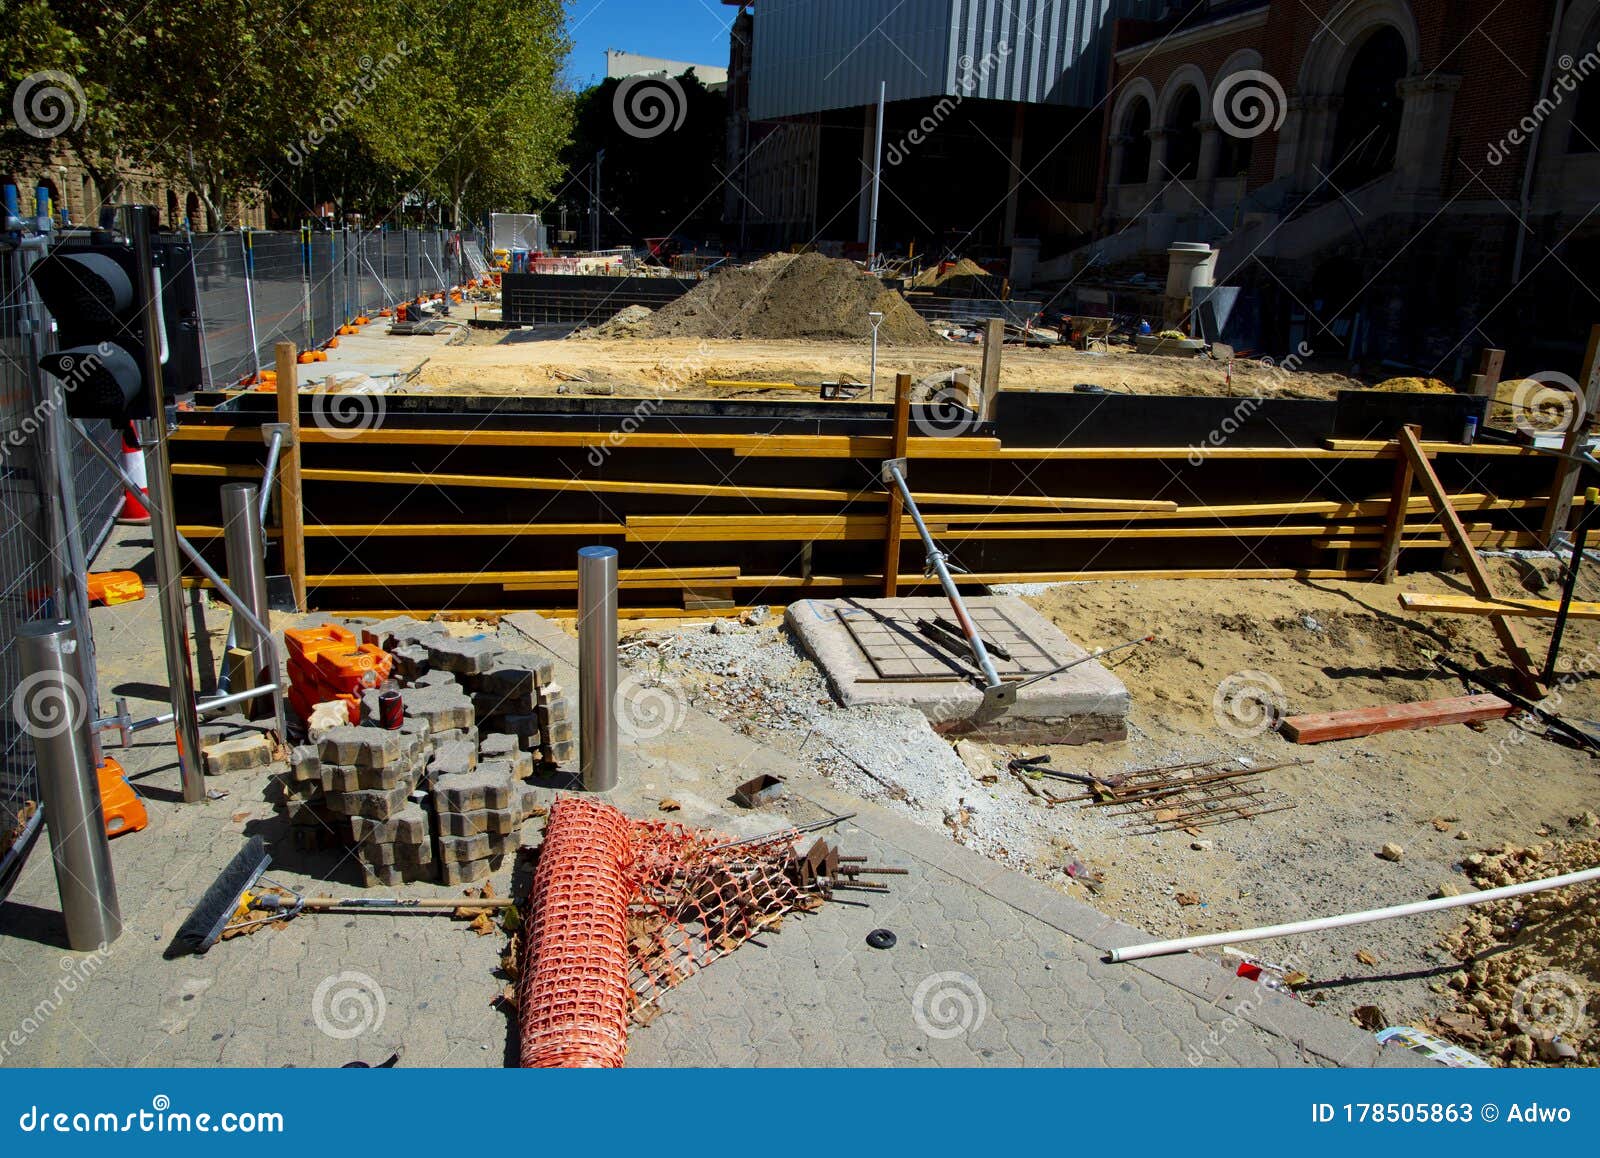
353,101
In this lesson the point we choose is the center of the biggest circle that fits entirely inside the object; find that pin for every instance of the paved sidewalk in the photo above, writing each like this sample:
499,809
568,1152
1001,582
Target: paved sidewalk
990,968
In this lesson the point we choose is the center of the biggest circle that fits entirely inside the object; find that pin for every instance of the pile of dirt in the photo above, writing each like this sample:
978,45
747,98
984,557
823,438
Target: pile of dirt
936,277
1530,992
628,322
1414,386
791,296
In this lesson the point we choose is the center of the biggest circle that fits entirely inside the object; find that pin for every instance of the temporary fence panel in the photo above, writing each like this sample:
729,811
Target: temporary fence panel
27,570
395,284
369,263
436,273
224,307
278,281
323,284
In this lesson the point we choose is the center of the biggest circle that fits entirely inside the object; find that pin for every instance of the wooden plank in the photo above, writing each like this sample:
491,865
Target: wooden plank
291,509
729,384
525,580
994,341
1394,523
1565,485
1359,722
1374,507
456,530
1516,651
893,519
1433,448
1490,366
1519,608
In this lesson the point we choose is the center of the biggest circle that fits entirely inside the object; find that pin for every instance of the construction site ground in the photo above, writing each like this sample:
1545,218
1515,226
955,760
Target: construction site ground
542,361
991,967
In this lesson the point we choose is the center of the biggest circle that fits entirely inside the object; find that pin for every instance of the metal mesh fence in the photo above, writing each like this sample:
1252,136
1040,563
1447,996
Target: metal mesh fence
278,279
395,283
27,569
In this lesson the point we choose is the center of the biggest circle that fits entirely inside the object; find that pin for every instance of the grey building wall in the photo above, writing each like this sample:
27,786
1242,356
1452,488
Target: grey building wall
815,55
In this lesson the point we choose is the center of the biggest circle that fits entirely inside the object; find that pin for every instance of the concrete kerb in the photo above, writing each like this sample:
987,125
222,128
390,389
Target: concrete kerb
1315,1034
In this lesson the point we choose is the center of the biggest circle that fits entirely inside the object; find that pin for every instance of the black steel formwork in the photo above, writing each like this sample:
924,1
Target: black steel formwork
530,299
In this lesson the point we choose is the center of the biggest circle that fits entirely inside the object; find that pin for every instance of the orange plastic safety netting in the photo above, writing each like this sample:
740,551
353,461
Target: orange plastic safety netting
620,911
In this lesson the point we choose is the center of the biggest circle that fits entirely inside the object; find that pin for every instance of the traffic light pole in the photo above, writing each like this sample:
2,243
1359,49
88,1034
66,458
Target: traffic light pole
163,530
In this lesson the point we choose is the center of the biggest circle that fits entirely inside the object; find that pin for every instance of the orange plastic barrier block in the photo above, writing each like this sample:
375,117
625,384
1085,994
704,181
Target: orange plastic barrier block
124,811
309,642
113,587
304,701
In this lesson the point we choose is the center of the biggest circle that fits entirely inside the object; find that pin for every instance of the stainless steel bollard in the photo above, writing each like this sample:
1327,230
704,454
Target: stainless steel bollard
247,568
597,667
53,708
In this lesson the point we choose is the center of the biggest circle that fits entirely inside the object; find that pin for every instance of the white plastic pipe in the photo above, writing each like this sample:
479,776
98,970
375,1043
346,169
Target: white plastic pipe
1367,917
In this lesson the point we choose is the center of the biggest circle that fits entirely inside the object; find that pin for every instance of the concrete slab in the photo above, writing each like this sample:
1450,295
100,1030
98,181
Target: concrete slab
872,653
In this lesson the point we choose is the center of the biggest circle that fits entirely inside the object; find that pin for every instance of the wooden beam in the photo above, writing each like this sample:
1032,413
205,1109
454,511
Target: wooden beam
291,509
1490,366
1359,722
1520,608
1516,651
526,580
1566,478
456,530
892,520
1394,524
728,384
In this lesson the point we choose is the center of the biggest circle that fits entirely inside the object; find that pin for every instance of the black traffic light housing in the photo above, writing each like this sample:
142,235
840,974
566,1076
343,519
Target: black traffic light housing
91,283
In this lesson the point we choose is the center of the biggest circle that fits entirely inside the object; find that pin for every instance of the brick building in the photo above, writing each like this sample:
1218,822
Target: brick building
74,196
1401,179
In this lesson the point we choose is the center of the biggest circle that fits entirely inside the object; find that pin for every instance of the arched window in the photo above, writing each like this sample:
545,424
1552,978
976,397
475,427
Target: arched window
1368,130
1136,150
1183,135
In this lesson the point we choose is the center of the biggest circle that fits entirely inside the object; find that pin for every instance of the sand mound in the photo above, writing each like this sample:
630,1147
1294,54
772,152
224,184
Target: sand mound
791,296
1529,992
1414,386
963,278
628,322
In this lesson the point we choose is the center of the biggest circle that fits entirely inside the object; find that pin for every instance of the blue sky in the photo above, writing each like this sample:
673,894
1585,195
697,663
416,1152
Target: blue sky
691,30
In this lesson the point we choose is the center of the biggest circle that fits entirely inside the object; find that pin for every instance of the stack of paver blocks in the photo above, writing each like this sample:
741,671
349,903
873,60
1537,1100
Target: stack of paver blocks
443,798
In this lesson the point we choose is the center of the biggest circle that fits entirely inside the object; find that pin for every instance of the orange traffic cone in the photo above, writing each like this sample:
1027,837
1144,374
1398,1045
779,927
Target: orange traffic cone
134,512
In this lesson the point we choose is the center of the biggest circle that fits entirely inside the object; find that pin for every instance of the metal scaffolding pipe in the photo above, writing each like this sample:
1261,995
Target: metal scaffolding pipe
53,707
1344,920
995,691
245,548
597,667
163,525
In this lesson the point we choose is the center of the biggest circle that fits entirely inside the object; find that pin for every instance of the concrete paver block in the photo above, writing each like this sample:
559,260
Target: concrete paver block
366,747
376,803
445,707
463,656
492,821
243,754
490,785
1079,706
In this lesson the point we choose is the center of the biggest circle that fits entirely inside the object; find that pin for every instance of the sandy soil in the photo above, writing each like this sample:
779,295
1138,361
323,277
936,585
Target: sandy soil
519,362
1443,795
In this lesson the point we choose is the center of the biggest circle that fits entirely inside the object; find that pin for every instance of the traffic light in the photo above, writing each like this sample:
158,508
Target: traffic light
91,286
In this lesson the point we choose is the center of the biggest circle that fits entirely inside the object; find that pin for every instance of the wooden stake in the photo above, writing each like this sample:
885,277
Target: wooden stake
994,340
1566,482
1394,527
891,535
1516,651
1490,367
290,506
